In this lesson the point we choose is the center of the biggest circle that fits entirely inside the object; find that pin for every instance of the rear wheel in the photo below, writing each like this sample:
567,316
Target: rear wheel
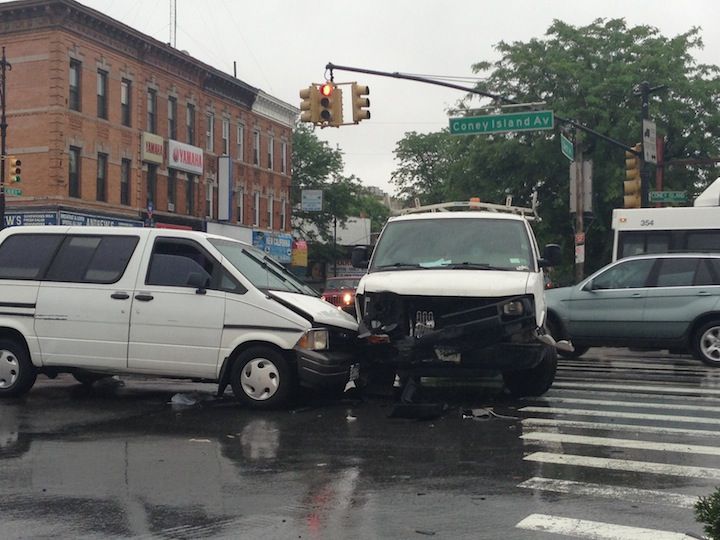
262,378
706,343
17,374
535,381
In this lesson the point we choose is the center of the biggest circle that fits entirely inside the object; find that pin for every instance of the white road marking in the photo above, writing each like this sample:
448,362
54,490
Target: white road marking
607,426
683,390
597,530
622,414
626,465
689,368
641,405
622,443
645,496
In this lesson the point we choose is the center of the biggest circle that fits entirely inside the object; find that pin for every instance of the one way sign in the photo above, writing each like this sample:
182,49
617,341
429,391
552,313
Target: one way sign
649,142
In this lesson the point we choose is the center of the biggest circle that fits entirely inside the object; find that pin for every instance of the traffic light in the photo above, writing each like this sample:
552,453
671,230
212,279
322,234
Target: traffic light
310,104
330,104
360,102
15,171
633,183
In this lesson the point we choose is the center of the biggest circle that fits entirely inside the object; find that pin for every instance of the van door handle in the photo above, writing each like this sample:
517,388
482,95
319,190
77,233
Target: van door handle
144,297
637,295
703,293
120,296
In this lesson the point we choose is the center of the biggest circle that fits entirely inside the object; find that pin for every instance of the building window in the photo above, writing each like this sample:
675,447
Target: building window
271,153
125,87
283,158
241,142
171,189
190,123
240,206
210,133
102,106
75,77
151,185
226,136
102,166
151,110
190,195
74,172
209,196
172,118
283,216
256,148
125,182
256,208
270,209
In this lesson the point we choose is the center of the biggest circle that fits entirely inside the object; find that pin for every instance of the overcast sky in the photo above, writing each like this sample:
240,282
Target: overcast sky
282,46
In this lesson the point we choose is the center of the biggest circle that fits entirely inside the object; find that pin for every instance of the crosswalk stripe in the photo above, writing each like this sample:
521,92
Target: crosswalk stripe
613,403
597,530
642,388
635,495
622,443
699,370
622,414
666,398
625,465
606,426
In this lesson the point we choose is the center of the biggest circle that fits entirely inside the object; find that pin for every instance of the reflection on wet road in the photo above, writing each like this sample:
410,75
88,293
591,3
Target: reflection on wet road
619,448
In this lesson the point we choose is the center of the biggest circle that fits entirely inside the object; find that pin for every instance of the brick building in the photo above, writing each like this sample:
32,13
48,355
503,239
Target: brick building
113,126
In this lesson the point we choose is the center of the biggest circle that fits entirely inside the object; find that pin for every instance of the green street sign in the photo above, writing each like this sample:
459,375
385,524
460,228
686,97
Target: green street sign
668,196
567,147
13,191
502,123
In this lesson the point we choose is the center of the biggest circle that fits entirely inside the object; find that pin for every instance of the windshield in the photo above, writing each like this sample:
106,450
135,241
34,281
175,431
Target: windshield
262,271
471,243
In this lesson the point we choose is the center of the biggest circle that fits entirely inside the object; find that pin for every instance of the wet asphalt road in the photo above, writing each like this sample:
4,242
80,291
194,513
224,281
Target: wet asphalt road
624,442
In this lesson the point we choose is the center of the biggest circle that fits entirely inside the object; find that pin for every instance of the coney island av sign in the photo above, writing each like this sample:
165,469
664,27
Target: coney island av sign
184,157
502,123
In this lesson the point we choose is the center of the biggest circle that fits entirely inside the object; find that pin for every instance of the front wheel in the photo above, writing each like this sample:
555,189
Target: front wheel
262,378
706,344
535,381
17,374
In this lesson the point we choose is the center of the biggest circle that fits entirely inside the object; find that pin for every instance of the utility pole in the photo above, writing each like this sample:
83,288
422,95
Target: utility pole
644,90
4,66
579,214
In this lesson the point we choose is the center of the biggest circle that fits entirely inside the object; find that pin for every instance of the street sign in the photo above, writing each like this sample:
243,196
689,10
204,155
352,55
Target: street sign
668,196
13,191
311,200
567,147
502,123
578,173
649,141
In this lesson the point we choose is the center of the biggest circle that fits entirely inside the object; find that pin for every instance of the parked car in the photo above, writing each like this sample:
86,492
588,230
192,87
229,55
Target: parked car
340,292
659,301
98,301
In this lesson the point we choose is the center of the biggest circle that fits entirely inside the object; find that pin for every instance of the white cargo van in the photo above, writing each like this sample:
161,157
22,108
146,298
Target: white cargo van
447,292
97,301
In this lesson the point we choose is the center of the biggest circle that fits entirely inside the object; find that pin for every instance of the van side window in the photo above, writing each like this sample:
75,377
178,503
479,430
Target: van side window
92,259
26,256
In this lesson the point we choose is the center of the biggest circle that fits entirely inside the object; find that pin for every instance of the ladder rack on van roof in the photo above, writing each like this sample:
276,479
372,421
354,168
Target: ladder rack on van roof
528,213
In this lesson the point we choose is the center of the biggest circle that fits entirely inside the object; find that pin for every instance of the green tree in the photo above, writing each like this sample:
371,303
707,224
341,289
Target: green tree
587,74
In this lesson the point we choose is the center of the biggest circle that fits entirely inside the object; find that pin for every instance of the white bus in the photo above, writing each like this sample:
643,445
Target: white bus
669,229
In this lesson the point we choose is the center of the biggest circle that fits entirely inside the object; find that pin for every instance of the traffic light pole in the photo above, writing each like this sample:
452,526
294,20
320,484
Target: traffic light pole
4,65
644,90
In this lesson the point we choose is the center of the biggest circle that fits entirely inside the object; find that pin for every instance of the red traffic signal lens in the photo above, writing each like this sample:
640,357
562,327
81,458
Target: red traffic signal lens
326,89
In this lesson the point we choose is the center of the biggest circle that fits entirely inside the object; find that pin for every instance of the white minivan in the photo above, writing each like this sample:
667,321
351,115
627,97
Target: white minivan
98,301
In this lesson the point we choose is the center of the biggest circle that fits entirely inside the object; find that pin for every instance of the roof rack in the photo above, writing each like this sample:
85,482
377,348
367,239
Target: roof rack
528,213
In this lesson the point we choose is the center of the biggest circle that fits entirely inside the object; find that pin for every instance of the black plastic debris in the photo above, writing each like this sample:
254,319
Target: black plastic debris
418,411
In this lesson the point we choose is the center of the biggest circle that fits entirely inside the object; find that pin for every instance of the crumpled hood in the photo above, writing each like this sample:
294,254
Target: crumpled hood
321,311
437,282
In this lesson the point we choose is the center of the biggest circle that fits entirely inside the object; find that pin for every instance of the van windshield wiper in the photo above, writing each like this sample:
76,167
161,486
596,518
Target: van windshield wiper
473,266
399,266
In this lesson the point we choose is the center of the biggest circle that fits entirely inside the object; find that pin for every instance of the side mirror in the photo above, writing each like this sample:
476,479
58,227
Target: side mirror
551,256
588,286
360,257
198,281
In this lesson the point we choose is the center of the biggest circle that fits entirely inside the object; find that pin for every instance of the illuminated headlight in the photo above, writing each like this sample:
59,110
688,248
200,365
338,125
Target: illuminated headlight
315,339
347,298
513,309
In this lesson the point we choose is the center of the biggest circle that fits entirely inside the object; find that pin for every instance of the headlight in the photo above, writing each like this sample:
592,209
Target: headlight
315,339
347,298
513,309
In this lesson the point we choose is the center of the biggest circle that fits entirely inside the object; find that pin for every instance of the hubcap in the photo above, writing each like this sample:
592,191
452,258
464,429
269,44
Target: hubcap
260,379
9,369
710,344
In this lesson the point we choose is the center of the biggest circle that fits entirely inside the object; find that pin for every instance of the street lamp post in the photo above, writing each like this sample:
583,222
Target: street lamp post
4,66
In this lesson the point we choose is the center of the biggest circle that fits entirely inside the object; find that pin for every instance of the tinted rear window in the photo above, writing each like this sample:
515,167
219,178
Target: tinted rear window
26,256
92,259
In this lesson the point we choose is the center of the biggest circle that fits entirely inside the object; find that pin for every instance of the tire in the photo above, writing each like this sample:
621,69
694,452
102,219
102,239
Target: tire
261,378
554,330
87,378
706,343
535,381
17,374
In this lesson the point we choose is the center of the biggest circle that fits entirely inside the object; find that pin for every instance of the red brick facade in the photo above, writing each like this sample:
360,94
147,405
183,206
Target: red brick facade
52,43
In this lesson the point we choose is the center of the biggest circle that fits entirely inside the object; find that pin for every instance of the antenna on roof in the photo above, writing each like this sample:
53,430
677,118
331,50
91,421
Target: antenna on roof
173,23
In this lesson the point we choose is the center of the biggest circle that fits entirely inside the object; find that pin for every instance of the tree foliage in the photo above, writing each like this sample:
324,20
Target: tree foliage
587,74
